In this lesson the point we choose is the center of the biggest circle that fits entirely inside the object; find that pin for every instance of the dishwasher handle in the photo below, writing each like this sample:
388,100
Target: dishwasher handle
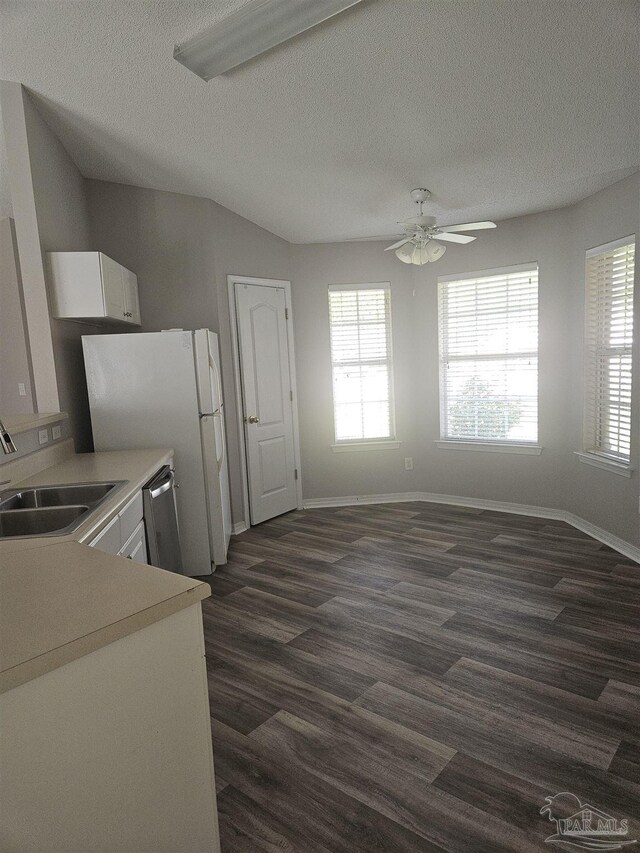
158,487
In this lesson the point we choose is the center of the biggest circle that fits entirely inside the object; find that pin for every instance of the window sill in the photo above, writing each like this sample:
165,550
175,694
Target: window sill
597,461
383,444
491,447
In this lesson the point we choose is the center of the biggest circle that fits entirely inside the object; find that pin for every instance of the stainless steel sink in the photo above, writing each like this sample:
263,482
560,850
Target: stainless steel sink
45,496
40,522
50,510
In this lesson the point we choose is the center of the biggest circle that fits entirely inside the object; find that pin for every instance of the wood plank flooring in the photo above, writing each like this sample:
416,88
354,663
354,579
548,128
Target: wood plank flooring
418,677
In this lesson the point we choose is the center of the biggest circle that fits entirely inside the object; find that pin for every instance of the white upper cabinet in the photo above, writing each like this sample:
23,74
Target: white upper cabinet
131,301
91,286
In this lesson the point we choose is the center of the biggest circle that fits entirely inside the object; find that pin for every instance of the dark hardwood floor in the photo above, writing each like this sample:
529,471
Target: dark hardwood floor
419,677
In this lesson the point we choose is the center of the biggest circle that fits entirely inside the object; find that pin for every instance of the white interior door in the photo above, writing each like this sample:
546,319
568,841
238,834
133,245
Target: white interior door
267,400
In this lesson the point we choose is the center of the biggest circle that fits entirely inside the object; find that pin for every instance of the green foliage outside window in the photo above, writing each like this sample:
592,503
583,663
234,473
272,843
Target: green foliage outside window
479,413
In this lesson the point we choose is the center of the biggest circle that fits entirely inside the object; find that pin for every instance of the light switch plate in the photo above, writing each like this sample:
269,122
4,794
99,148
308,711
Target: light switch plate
56,432
22,389
43,436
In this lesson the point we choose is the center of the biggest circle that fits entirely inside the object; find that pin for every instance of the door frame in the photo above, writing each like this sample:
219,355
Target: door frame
232,281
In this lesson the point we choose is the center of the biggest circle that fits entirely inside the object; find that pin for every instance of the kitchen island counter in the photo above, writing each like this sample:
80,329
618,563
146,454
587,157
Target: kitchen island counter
61,599
106,730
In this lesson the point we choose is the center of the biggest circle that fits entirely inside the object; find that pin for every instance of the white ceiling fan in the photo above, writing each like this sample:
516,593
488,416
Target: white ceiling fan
420,243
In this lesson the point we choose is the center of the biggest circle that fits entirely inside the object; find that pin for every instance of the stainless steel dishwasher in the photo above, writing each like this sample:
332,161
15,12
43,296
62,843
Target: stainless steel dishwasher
161,521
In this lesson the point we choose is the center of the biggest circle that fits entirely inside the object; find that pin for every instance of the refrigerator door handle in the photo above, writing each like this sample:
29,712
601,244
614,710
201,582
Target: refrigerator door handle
214,369
219,459
213,490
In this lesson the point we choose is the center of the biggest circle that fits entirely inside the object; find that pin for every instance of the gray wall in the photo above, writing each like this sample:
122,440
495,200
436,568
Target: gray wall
44,387
241,248
603,498
63,224
557,241
6,207
166,239
325,473
182,248
14,358
520,479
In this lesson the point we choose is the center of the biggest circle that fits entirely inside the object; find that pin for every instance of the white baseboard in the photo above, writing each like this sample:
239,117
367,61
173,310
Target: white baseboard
352,500
610,539
604,536
239,527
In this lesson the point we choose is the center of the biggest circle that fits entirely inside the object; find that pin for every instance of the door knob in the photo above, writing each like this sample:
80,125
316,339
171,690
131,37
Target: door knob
253,419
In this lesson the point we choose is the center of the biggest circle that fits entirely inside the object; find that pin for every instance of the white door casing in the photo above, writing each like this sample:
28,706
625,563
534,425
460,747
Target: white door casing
267,394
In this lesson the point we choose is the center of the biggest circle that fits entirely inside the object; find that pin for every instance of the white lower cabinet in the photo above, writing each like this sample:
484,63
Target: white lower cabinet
124,535
135,548
108,540
112,752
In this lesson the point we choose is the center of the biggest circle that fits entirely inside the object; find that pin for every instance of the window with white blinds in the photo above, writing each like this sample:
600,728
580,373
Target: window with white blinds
360,324
608,349
488,325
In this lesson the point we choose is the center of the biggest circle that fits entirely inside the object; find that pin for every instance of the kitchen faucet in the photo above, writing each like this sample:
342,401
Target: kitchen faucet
5,440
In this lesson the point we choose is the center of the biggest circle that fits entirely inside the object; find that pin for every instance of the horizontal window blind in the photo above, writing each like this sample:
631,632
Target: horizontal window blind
488,325
360,324
608,349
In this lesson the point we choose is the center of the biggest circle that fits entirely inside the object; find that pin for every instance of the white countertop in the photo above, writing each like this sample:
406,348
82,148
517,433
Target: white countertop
136,467
60,599
15,424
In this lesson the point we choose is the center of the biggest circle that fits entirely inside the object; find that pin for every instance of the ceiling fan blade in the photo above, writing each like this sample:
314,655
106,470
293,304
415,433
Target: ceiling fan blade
454,238
399,243
417,227
422,221
468,226
376,237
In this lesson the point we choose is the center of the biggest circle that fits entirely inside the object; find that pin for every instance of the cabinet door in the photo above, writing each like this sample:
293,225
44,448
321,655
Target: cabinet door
130,517
131,303
76,284
113,289
109,539
135,548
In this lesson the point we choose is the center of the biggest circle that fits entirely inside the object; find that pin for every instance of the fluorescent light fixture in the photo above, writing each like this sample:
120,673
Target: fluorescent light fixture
256,27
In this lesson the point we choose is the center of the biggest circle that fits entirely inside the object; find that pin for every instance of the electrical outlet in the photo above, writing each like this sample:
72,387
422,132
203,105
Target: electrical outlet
408,463
43,436
56,432
22,389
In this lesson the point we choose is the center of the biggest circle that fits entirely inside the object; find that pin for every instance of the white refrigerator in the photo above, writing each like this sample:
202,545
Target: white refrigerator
163,389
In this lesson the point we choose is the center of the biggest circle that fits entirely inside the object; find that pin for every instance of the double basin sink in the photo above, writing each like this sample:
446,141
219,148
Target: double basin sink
50,510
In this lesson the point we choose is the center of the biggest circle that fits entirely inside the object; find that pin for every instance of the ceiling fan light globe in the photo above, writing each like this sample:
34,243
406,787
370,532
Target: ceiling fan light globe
426,252
420,255
405,253
435,250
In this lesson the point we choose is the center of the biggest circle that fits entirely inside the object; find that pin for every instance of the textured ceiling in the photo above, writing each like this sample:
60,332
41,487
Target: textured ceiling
500,107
